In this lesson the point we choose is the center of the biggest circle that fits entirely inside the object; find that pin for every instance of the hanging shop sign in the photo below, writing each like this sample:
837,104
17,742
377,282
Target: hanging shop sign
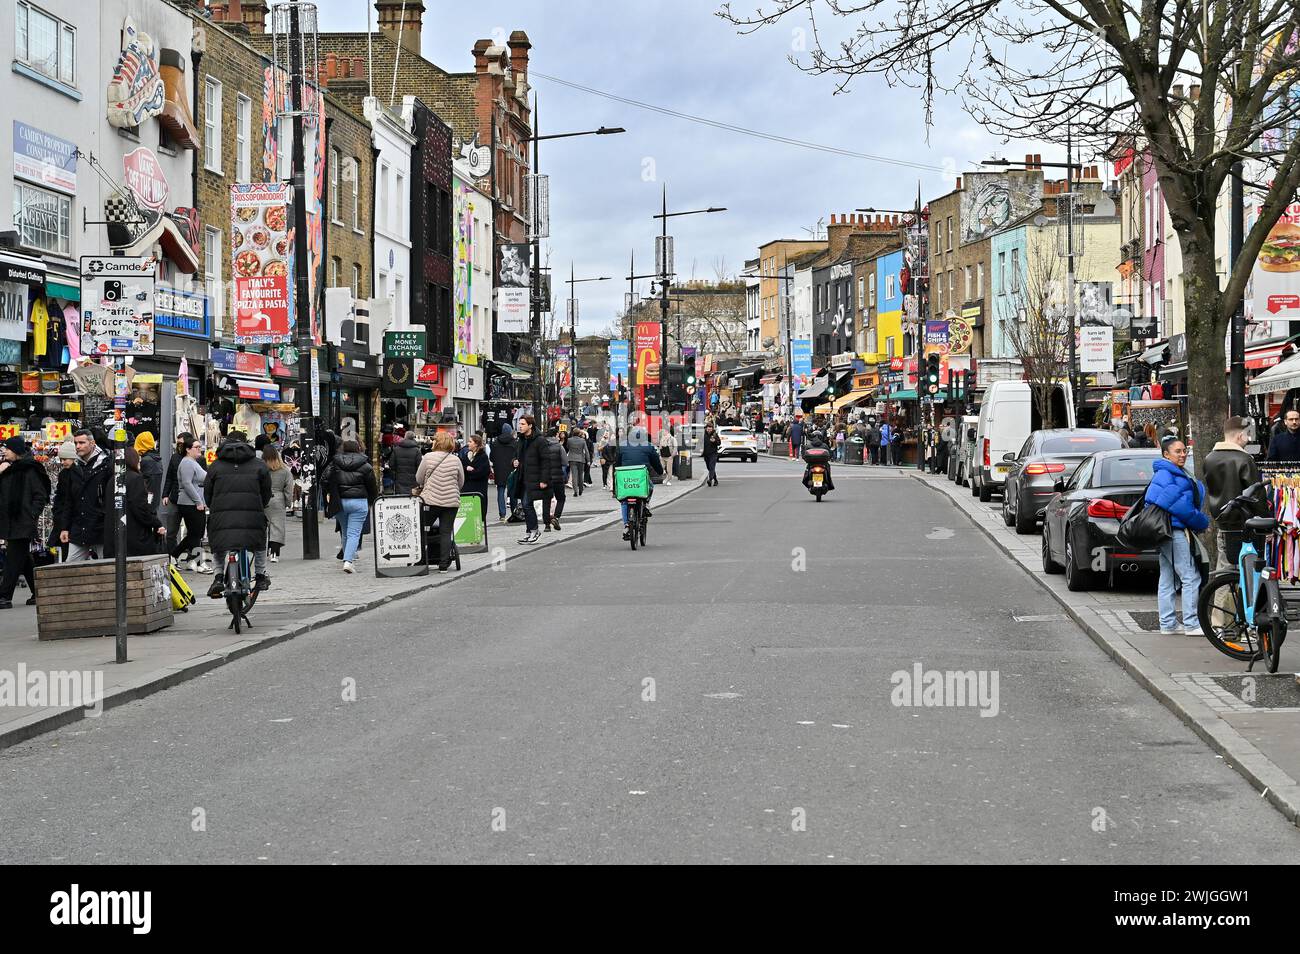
44,159
262,259
647,352
469,382
430,374
181,313
315,383
618,359
144,176
13,312
936,332
238,362
58,430
117,305
398,547
513,286
398,374
801,362
1096,349
136,91
404,344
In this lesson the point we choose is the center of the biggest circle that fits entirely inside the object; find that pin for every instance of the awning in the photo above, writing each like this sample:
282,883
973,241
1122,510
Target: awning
1280,377
824,409
1173,371
259,392
516,373
1156,354
427,393
853,397
910,395
814,390
1266,356
769,379
23,269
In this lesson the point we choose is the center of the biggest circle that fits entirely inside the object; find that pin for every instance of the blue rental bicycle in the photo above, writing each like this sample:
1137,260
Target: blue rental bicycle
1243,612
241,588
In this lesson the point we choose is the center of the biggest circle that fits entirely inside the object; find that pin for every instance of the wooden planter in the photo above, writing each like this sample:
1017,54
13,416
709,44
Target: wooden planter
79,599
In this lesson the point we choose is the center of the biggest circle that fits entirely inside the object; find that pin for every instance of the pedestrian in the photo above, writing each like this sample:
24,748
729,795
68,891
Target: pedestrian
143,528
1229,470
874,434
896,446
592,433
260,444
667,451
608,459
24,491
292,457
237,490
404,459
579,460
712,447
886,432
504,452
474,458
151,467
281,499
559,475
438,483
191,506
796,438
1180,494
350,489
62,490
83,507
531,477
839,443
1285,445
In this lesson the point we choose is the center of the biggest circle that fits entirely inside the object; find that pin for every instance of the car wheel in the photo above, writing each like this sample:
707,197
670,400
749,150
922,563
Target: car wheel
1049,565
1025,525
974,487
1007,517
1076,580
985,492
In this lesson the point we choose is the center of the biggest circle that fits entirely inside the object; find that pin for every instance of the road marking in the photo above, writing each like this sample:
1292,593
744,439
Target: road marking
1044,618
722,695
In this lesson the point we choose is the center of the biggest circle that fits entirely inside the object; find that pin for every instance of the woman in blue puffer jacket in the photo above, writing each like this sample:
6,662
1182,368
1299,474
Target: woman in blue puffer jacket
1178,492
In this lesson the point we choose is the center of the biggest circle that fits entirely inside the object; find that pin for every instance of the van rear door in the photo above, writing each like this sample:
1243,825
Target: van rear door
1009,427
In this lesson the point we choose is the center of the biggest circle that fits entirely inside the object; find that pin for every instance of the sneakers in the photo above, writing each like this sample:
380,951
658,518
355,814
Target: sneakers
262,583
347,567
627,532
196,566
217,590
1169,632
339,555
1194,632
555,522
533,537
501,520
275,558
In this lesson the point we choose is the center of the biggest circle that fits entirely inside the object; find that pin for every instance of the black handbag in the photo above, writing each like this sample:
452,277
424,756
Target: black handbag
1144,527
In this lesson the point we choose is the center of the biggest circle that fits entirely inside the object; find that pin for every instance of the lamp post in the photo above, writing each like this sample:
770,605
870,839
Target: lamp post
573,334
664,261
534,223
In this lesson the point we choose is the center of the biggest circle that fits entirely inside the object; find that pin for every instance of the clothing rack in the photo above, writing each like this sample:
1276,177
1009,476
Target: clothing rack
1282,548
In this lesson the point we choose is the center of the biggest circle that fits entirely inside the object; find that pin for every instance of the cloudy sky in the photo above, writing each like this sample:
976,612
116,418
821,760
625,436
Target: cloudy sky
678,55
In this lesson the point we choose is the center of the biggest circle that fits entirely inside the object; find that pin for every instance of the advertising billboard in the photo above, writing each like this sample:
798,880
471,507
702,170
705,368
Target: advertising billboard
514,280
261,259
647,352
618,352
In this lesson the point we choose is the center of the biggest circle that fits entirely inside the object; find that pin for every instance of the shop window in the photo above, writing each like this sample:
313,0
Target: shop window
45,43
43,218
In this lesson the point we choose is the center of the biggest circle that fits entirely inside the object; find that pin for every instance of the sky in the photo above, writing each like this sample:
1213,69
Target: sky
679,55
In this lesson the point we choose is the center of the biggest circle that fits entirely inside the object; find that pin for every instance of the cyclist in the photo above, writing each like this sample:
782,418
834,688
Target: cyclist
639,450
237,490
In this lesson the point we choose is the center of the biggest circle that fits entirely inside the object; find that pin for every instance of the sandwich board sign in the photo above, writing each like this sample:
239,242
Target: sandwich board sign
470,531
399,551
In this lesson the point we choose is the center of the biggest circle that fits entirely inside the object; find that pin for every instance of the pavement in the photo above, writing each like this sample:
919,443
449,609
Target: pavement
739,691
1260,738
304,595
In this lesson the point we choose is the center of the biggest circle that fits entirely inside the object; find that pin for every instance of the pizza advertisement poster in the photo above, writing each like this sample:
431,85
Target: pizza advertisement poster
261,260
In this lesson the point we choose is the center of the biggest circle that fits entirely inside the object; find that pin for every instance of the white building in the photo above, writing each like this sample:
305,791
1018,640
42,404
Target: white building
393,142
472,217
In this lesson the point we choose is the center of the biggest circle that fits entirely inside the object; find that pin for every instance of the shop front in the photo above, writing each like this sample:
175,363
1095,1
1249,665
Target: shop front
507,395
467,393
355,384
247,397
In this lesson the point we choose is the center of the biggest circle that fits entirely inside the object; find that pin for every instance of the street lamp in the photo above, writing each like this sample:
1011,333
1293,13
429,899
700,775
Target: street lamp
664,263
535,322
573,334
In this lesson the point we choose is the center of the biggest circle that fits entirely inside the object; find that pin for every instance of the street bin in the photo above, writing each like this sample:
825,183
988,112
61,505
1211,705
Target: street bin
684,465
780,448
853,450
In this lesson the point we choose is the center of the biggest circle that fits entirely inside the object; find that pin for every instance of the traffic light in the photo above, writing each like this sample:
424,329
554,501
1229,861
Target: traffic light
689,361
932,373
830,388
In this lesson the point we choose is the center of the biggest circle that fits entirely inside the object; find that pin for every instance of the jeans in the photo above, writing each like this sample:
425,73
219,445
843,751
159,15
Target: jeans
352,518
530,515
1177,565
79,554
875,453
712,464
219,561
623,507
501,501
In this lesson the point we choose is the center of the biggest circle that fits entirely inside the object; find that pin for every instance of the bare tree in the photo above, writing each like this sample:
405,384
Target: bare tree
714,319
1039,327
1202,84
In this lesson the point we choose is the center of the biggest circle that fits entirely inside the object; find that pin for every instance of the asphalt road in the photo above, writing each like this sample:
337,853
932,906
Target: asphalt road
507,718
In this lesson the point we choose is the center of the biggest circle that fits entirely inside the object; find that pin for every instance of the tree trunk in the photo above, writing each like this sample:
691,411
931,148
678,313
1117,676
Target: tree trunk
1207,384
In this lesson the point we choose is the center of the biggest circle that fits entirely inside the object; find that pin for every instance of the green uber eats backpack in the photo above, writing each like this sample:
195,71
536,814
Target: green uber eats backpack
632,482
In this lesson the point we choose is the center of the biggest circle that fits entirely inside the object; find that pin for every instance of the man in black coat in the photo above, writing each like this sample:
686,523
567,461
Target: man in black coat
405,461
24,491
533,477
503,454
1285,445
82,509
237,489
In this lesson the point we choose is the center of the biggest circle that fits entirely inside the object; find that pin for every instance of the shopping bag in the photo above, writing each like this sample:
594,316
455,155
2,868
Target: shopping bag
1144,527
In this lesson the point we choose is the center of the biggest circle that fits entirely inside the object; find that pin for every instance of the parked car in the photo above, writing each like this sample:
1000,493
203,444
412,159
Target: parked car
1007,416
965,453
1045,458
738,442
1083,516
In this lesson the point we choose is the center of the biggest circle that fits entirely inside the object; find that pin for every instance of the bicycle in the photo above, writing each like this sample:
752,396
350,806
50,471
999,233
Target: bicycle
636,520
241,588
1242,611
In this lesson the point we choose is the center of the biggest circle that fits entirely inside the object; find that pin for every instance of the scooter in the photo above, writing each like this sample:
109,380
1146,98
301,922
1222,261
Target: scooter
817,472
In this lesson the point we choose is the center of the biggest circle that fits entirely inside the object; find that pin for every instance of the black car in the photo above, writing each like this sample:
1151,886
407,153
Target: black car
1045,458
1083,516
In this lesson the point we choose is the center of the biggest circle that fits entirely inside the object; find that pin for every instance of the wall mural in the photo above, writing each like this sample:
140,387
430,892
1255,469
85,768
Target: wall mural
993,200
463,271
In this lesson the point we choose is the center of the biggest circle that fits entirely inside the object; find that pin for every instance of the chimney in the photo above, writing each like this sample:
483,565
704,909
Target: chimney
480,55
837,234
1194,91
519,47
959,183
1029,160
254,16
400,22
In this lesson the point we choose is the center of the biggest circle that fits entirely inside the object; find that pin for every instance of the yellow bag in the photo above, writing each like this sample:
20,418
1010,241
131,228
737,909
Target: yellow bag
182,595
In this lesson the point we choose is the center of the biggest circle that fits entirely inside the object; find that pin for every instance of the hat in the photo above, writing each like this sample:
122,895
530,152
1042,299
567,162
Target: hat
144,442
17,445
67,451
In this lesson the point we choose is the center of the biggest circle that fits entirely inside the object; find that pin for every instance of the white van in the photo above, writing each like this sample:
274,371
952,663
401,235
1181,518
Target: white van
1007,417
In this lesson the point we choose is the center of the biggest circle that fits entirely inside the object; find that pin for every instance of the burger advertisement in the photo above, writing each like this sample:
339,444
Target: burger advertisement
1276,279
261,259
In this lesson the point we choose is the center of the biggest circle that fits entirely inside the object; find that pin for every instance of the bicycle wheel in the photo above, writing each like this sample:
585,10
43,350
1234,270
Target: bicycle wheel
642,525
1270,644
1223,617
235,603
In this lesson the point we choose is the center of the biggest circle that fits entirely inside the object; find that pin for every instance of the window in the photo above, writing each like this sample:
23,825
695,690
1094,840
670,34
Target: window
355,169
952,288
43,218
938,296
399,302
335,162
356,281
336,264
862,292
212,124
889,285
871,291
212,284
1002,273
46,44
284,149
979,280
243,135
381,203
399,210
1015,269
950,233
889,347
1148,229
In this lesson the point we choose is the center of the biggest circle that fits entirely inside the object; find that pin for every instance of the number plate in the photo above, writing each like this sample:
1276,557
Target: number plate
817,480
